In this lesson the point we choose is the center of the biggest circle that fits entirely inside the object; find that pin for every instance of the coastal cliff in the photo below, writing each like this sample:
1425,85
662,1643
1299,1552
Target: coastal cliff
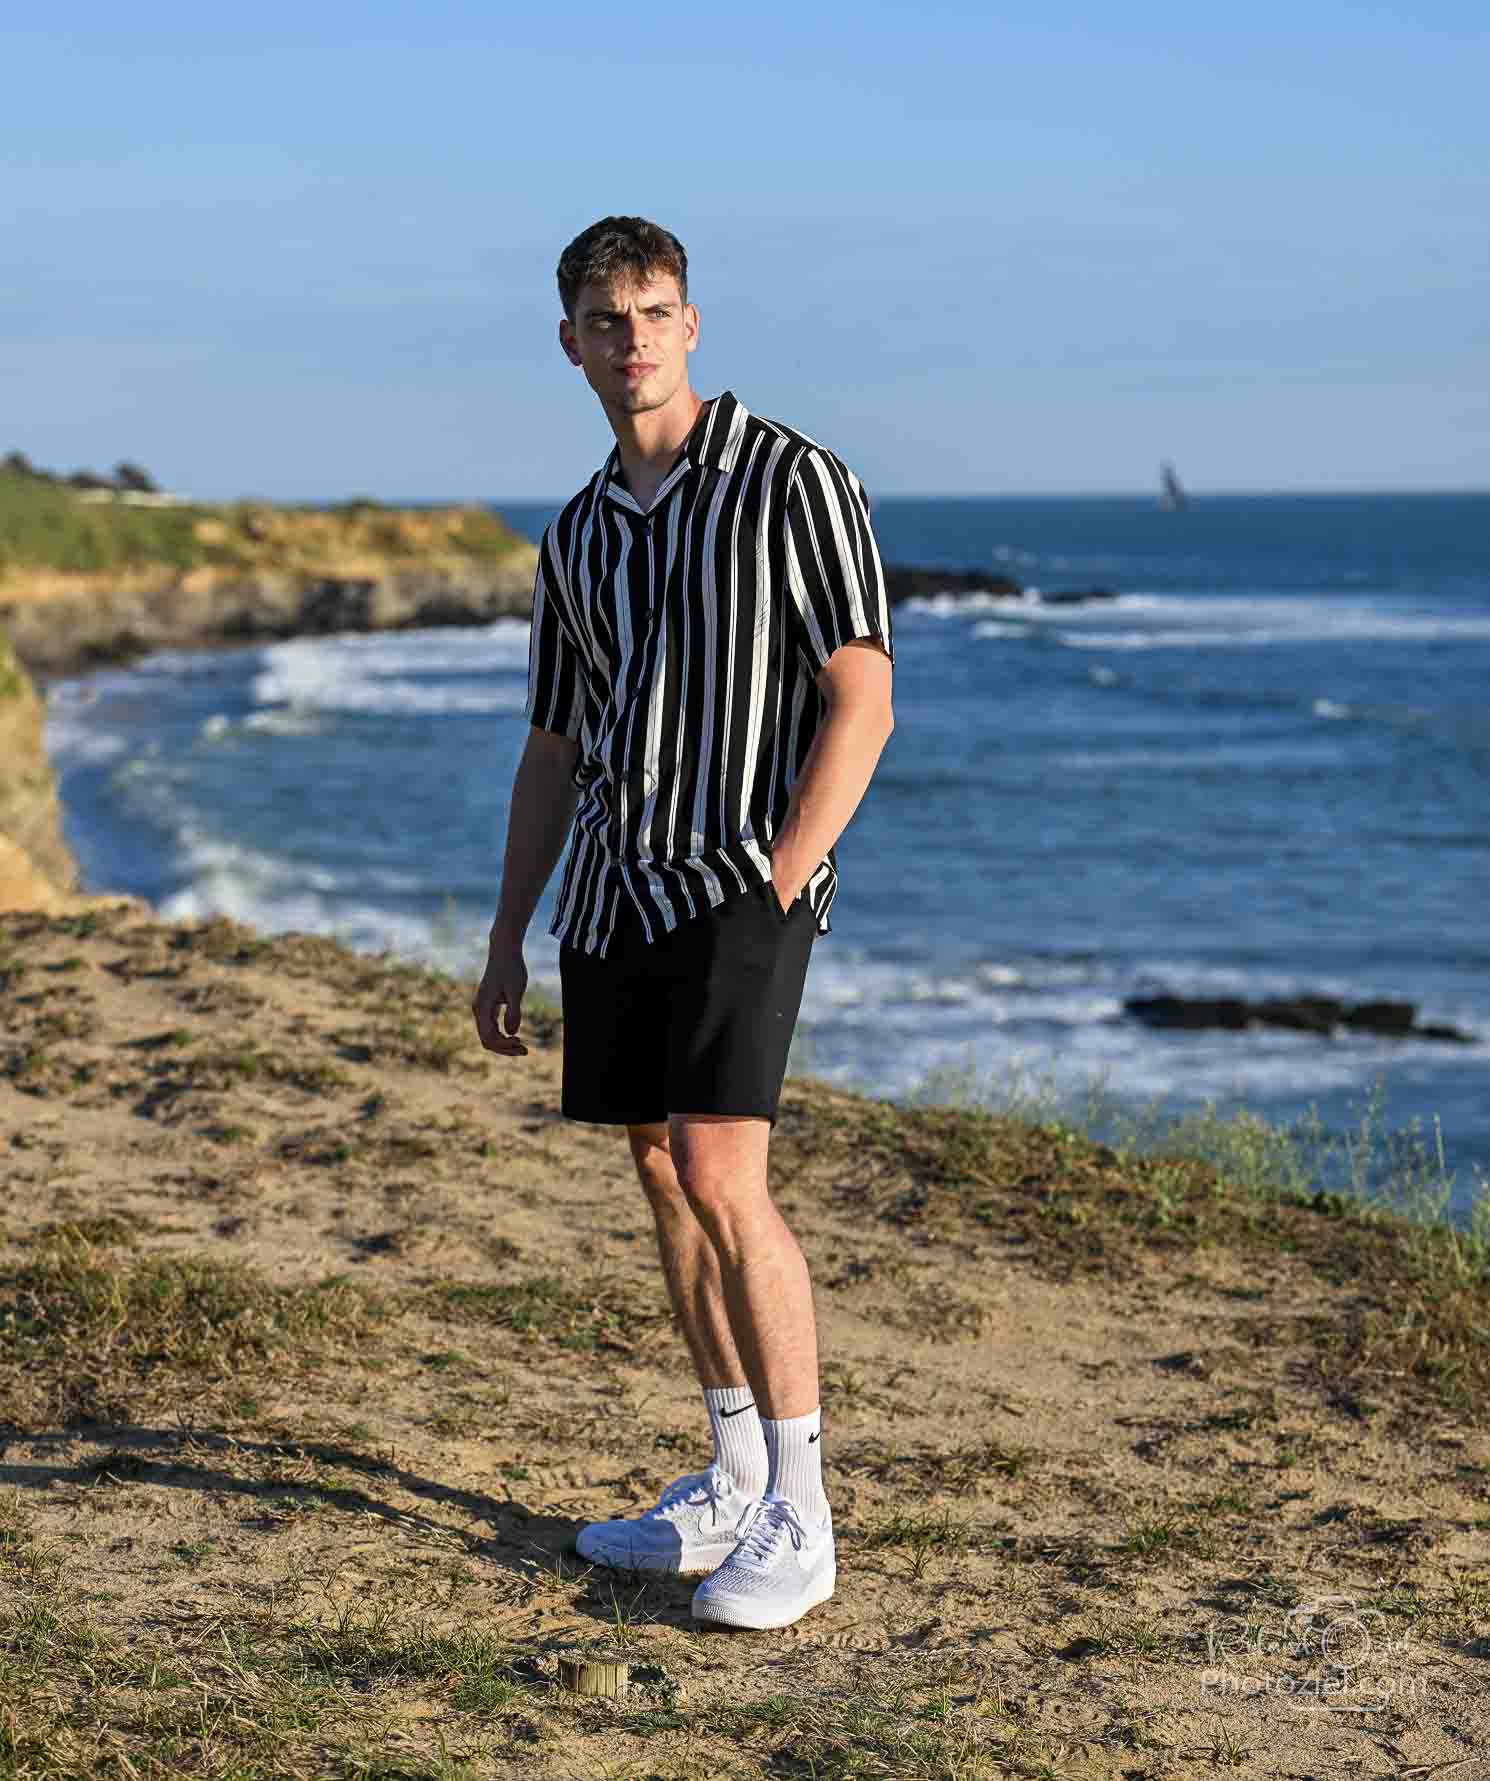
36,869
67,625
86,581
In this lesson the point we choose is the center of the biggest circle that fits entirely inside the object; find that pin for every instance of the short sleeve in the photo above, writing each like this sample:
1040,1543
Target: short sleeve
556,672
833,570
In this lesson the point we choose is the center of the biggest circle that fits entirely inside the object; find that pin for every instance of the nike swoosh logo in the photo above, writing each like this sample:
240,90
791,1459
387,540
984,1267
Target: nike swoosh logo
740,1412
812,1438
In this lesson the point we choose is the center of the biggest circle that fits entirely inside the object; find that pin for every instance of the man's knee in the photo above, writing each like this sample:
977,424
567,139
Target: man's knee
647,1140
651,1151
721,1169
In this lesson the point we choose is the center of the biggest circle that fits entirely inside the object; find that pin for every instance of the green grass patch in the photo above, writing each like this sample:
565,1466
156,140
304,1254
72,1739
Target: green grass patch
928,1720
957,1471
252,1696
44,525
13,681
600,1314
1166,1534
86,1335
228,1066
1069,1205
438,1044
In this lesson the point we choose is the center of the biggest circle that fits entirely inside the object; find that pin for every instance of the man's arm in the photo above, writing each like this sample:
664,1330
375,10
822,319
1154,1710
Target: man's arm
840,763
841,619
543,803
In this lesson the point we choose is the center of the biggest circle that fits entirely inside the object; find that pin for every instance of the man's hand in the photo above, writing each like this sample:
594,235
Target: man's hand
503,985
784,902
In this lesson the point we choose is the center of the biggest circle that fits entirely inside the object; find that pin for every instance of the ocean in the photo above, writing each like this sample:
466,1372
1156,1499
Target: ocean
1263,769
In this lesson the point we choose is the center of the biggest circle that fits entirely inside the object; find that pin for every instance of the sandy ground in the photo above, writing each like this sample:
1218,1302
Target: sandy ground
1087,1520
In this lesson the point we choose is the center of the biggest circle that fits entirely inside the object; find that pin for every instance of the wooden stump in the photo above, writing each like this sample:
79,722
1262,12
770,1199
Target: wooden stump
594,1673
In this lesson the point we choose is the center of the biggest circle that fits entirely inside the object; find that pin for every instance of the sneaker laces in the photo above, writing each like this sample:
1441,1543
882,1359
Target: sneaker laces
692,1488
761,1525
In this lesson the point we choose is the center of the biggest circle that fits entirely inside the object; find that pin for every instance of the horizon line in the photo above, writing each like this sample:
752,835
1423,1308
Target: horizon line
1192,496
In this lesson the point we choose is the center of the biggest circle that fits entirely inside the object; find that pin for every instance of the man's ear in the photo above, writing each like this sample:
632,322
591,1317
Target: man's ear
567,341
690,327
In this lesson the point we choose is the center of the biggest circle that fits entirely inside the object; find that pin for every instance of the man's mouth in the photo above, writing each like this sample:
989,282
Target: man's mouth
635,371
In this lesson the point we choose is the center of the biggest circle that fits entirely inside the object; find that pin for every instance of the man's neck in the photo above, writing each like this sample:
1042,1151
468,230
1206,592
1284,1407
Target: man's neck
648,443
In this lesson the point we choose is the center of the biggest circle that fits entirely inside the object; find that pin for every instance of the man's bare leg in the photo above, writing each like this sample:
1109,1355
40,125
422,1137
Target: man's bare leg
693,1526
783,1562
689,1261
719,1164
691,1268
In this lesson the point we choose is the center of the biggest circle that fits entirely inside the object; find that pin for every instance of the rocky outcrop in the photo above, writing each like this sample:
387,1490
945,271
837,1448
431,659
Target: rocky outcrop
1324,1015
37,870
33,853
904,581
85,581
68,624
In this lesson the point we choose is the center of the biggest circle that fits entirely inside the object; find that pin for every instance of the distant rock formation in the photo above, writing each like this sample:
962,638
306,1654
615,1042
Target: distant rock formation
87,578
905,581
121,617
1324,1015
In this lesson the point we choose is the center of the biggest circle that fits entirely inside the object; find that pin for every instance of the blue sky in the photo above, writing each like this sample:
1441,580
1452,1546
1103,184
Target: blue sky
307,252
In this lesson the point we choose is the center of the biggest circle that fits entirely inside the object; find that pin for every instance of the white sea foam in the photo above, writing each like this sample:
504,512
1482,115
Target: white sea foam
280,722
998,627
73,742
1195,623
1028,605
419,672
278,895
1254,754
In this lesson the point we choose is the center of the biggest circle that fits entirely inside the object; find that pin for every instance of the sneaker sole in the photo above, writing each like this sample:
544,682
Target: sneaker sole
757,1615
701,1559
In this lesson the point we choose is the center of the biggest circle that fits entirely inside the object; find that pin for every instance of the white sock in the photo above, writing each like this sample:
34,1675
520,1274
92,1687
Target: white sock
796,1466
739,1445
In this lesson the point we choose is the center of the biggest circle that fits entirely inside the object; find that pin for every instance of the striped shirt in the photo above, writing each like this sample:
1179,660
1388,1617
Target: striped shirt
680,647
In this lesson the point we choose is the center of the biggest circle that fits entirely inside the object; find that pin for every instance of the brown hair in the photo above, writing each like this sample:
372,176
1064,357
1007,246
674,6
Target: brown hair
619,247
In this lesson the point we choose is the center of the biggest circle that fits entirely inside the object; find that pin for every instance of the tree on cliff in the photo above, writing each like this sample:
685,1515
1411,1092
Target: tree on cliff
132,477
128,478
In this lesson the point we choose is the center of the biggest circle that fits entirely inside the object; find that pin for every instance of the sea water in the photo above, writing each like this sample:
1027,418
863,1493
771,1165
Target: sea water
1262,769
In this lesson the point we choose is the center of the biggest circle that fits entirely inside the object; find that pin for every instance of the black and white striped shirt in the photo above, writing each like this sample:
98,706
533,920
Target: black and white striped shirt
679,647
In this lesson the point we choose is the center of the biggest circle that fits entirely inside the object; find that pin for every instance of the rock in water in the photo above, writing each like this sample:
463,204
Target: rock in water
1324,1015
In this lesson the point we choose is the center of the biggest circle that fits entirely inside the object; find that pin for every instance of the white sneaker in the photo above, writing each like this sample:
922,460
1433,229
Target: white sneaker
779,1569
692,1528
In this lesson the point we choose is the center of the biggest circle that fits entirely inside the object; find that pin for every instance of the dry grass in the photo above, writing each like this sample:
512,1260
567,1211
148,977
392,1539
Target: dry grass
44,526
320,1337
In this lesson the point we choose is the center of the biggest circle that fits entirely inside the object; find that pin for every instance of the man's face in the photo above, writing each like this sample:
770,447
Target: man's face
632,341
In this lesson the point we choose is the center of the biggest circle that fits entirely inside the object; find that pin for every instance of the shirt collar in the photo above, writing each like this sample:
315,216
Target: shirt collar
717,432
714,441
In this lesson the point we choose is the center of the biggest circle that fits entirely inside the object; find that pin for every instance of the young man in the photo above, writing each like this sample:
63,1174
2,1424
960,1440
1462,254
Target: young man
709,689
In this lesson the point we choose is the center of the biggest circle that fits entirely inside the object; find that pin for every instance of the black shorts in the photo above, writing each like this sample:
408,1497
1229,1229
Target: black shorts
697,1021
